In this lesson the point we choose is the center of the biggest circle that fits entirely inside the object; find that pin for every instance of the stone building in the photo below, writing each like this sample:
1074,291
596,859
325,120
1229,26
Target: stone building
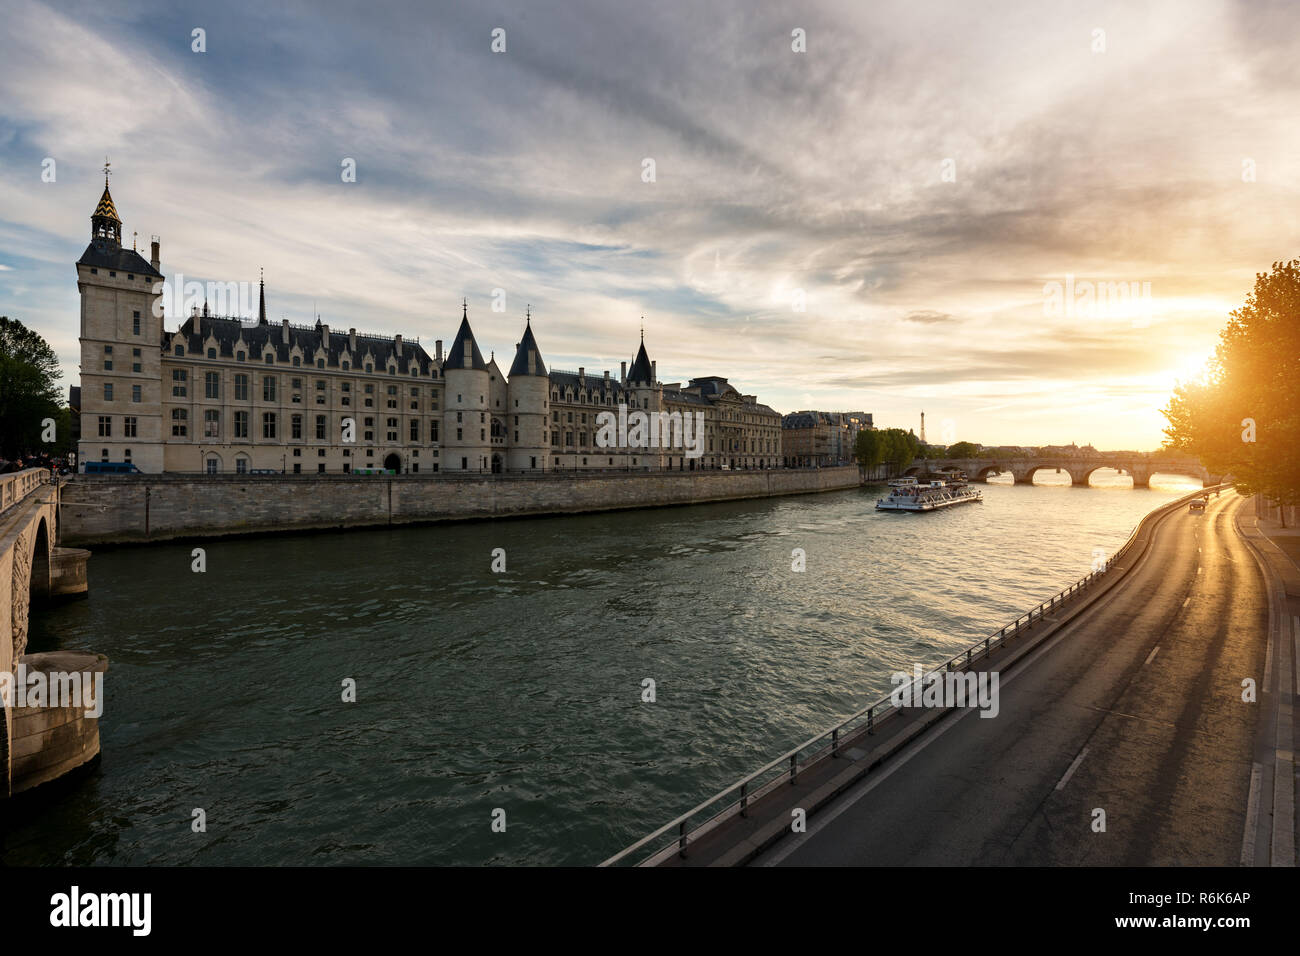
222,395
816,439
806,439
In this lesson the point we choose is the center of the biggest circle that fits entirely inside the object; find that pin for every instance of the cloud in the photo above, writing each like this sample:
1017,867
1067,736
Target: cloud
929,317
780,177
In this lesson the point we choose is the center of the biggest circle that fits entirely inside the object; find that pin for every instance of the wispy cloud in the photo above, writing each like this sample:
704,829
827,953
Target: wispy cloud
870,223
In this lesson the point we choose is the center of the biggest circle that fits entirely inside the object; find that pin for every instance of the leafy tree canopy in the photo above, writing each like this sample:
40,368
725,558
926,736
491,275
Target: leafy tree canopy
1243,416
29,391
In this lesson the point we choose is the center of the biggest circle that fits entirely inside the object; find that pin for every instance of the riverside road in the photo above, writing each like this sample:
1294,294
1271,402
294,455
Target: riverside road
1134,710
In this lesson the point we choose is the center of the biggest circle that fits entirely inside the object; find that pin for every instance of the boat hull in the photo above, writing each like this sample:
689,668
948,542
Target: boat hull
892,504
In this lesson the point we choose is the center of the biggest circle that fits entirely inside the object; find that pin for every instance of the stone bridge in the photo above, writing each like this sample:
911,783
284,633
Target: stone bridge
32,570
1080,468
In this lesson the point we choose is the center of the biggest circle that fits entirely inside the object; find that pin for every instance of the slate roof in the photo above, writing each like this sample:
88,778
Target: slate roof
456,356
108,254
563,379
229,332
641,370
527,344
805,420
687,398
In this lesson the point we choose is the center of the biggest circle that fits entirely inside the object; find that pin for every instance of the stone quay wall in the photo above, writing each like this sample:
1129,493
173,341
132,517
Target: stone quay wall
121,509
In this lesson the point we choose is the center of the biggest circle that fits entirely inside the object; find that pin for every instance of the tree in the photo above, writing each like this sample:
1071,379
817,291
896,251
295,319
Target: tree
963,449
869,450
29,391
1243,416
898,448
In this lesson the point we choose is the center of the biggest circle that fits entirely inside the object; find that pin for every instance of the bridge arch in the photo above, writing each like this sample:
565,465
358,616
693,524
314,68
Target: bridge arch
30,581
1025,475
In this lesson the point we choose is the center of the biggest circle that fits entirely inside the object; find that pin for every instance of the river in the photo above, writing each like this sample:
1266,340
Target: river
519,690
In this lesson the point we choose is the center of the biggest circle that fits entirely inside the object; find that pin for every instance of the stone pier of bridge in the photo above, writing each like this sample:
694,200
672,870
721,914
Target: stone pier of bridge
37,743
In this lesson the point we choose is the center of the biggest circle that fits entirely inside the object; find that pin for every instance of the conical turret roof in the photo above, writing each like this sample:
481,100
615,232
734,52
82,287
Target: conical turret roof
641,370
465,346
105,209
527,346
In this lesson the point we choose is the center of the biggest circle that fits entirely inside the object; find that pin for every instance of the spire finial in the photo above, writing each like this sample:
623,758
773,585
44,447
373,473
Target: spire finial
528,315
464,308
106,171
643,330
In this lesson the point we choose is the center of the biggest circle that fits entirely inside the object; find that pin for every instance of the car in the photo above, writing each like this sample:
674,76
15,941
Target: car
1197,506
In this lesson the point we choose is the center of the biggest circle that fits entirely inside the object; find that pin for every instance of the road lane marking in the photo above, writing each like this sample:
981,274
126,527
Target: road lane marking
1152,656
1187,600
1250,834
1073,767
1198,569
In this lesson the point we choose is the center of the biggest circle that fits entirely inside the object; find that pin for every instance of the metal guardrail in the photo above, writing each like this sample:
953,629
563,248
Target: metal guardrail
754,786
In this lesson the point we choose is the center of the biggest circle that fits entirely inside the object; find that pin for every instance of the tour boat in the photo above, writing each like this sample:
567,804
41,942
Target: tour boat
929,497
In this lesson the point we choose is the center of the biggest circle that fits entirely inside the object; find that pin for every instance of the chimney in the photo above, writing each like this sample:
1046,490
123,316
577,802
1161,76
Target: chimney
325,336
352,340
437,346
622,375
582,375
397,345
154,259
654,373
284,331
607,380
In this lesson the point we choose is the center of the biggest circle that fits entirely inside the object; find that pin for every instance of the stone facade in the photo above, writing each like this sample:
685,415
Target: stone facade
818,439
220,395
122,509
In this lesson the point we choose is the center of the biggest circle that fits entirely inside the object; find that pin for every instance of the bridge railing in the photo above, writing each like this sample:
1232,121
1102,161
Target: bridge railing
737,798
17,485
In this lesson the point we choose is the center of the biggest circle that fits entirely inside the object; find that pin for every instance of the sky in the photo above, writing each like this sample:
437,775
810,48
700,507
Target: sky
1027,220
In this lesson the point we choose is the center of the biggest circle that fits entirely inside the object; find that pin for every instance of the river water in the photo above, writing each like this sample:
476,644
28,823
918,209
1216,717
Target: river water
519,690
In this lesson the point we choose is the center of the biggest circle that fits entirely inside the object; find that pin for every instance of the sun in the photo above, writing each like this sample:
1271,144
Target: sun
1191,367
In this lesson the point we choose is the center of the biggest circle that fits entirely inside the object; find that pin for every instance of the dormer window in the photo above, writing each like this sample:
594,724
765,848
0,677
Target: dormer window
239,356
346,365
369,367
297,361
180,350
270,358
212,353
320,363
